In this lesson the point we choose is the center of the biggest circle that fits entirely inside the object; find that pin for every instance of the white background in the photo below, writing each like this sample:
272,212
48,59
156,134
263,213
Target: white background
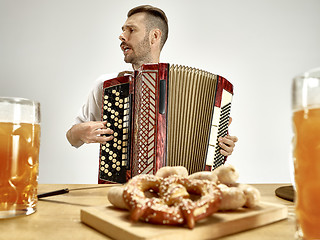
53,50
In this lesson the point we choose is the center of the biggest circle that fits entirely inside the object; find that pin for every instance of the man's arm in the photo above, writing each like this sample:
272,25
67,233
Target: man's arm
89,132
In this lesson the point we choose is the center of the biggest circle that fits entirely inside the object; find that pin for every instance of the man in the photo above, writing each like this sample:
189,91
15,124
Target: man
143,36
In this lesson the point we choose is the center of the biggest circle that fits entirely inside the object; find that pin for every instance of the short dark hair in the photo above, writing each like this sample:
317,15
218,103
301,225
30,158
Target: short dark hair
157,19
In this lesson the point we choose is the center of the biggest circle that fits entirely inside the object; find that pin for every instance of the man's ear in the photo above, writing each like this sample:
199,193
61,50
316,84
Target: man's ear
155,36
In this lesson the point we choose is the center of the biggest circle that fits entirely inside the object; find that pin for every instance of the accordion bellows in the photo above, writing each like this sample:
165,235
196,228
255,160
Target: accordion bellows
164,115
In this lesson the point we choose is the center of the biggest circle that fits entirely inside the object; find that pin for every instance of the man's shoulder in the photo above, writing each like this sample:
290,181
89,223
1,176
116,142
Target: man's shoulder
106,76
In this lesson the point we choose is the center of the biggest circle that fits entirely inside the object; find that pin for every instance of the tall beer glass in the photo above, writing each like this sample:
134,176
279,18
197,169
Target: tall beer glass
19,156
306,153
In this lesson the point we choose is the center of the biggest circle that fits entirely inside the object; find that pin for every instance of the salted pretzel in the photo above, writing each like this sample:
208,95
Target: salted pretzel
173,205
169,171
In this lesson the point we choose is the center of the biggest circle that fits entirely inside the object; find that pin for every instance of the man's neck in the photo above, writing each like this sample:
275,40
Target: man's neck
147,60
138,65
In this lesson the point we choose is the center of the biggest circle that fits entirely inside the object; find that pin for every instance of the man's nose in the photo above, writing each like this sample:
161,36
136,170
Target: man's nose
122,37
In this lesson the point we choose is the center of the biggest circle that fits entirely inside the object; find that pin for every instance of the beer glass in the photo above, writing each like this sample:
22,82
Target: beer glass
306,153
19,156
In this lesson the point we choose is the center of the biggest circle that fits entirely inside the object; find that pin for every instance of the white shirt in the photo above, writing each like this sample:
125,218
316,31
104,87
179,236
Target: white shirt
91,110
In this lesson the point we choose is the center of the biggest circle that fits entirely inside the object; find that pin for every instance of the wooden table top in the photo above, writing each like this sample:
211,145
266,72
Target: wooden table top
58,217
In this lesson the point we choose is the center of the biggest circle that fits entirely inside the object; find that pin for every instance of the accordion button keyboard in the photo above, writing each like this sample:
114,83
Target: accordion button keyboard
113,155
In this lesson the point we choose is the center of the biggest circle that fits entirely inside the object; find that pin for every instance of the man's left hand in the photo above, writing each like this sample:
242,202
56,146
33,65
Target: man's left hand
227,143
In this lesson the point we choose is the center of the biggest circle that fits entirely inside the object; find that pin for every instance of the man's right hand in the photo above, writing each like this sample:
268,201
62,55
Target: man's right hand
89,132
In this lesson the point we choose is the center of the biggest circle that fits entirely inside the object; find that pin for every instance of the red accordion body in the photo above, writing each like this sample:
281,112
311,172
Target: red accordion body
140,102
137,109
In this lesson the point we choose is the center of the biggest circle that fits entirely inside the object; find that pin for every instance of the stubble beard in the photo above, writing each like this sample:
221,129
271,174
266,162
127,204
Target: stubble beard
144,54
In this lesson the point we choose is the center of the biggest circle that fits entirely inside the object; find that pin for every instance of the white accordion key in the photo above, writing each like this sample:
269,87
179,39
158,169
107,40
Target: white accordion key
219,128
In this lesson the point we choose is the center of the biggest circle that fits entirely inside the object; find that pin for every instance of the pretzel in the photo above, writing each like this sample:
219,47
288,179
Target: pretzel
134,197
204,175
227,174
252,195
115,197
173,205
169,171
232,198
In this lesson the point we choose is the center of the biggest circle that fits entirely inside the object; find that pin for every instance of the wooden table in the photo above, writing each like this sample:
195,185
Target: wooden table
58,217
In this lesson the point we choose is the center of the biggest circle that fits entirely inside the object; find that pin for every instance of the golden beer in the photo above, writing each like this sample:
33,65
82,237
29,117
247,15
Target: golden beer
19,161
306,153
307,170
19,156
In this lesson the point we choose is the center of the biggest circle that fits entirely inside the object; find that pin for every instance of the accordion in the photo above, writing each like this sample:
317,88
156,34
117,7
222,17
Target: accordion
163,115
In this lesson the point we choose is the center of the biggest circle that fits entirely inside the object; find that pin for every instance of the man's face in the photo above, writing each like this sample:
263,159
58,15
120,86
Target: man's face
135,41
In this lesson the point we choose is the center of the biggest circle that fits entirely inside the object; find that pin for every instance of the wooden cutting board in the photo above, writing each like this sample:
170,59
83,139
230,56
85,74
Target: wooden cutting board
115,223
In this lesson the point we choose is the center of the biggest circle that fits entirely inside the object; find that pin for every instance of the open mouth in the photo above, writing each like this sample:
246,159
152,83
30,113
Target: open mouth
125,48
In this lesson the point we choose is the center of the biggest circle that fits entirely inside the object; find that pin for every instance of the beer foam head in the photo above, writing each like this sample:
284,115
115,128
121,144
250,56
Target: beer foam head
306,90
19,110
